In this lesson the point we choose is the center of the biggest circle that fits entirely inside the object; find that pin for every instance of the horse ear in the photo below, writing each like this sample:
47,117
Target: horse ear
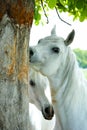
53,31
70,38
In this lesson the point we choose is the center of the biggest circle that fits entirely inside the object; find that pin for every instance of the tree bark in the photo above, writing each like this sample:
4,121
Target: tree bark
16,18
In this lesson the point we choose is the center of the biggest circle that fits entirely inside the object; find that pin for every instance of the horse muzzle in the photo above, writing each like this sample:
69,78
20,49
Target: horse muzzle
48,112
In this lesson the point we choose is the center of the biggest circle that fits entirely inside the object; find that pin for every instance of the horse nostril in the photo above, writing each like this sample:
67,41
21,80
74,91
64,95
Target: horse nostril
49,110
31,52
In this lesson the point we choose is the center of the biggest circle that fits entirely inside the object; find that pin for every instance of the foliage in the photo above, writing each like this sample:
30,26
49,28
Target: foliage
81,57
85,72
77,8
37,14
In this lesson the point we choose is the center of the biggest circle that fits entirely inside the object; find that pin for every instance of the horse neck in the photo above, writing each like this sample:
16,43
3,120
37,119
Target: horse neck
66,89
65,77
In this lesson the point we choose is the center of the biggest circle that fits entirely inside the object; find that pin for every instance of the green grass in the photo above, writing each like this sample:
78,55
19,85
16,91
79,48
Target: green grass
85,72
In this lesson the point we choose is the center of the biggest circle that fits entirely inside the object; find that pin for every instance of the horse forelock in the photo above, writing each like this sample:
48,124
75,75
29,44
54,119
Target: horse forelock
51,39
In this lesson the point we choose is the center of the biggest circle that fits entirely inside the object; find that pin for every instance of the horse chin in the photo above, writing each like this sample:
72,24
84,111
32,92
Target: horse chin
46,71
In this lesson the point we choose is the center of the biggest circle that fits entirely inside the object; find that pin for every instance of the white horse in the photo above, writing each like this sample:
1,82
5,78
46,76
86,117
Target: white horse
54,58
39,95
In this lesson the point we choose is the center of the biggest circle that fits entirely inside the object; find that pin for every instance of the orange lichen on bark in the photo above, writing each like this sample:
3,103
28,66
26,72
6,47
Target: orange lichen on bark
24,67
11,68
18,11
19,69
12,55
23,73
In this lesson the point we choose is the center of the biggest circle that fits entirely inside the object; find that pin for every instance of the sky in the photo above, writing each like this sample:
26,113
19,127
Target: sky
62,29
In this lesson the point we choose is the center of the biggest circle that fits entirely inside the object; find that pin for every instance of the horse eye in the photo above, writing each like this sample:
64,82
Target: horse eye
32,83
55,49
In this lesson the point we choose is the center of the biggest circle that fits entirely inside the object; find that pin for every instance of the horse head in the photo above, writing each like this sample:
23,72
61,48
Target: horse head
50,52
38,91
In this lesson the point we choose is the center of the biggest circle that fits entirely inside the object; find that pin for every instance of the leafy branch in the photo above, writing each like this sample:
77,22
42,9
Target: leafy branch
76,8
44,11
61,18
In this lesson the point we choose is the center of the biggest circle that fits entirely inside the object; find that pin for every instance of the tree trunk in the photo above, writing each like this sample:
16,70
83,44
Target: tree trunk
15,22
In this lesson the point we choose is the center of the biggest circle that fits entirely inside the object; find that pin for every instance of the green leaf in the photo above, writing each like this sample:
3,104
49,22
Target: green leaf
79,4
77,8
62,2
83,15
52,3
37,16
